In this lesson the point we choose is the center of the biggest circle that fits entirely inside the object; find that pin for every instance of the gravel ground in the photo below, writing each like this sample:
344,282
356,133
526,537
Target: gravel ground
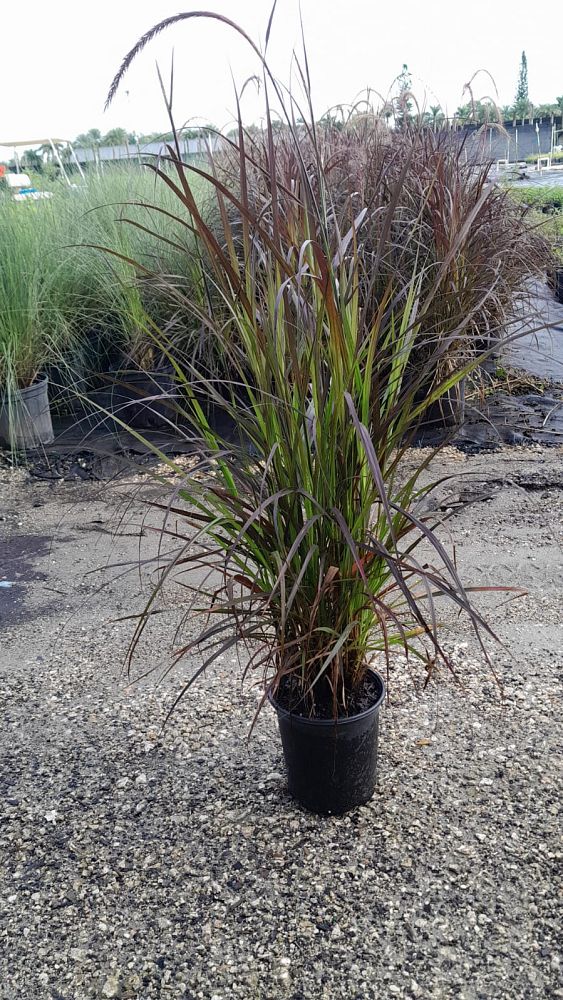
142,863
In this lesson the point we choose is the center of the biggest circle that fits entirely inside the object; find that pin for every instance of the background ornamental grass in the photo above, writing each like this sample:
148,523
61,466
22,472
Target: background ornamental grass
63,303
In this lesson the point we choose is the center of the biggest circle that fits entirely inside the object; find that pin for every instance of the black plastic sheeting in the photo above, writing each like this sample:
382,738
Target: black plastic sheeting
504,419
98,452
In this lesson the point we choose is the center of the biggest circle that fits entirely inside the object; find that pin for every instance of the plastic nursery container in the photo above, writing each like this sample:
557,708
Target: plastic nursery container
25,418
332,763
143,398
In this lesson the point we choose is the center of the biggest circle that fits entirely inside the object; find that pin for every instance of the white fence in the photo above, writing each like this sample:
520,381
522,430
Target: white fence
189,148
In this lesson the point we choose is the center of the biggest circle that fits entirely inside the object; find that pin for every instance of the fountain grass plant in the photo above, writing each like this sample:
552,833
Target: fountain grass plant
61,301
40,297
440,189
309,526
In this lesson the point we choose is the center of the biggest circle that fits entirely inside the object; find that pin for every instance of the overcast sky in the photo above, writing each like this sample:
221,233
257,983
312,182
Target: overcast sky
58,57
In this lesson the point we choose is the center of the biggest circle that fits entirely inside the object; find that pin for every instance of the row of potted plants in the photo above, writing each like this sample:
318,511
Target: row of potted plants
81,314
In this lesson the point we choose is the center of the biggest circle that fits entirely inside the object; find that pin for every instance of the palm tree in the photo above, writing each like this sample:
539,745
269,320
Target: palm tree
116,137
32,160
90,140
463,112
49,150
436,116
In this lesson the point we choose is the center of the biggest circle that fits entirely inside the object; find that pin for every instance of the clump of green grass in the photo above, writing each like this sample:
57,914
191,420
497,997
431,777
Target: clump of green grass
38,305
544,199
556,158
62,301
545,212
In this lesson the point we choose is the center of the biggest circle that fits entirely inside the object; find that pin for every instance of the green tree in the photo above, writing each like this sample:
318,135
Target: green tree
47,151
477,113
115,137
155,137
546,110
522,99
435,115
89,140
463,113
403,102
50,156
33,160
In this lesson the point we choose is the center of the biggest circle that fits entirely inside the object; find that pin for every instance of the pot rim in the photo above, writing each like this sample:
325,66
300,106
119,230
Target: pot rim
340,720
37,383
140,374
39,380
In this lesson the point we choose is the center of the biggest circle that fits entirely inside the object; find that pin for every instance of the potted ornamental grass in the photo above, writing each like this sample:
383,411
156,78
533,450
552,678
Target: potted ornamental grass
51,298
310,525
142,385
31,331
140,379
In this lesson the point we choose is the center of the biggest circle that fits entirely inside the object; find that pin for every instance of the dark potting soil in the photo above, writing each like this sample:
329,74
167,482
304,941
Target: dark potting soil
289,696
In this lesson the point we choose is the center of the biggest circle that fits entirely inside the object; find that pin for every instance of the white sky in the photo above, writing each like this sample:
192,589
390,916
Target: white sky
57,58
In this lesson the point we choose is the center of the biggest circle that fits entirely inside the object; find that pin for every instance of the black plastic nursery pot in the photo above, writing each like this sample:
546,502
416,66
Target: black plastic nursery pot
448,411
559,284
25,418
143,398
332,763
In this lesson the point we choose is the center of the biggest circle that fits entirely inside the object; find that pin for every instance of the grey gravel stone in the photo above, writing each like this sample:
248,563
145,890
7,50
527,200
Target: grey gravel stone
111,987
139,862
